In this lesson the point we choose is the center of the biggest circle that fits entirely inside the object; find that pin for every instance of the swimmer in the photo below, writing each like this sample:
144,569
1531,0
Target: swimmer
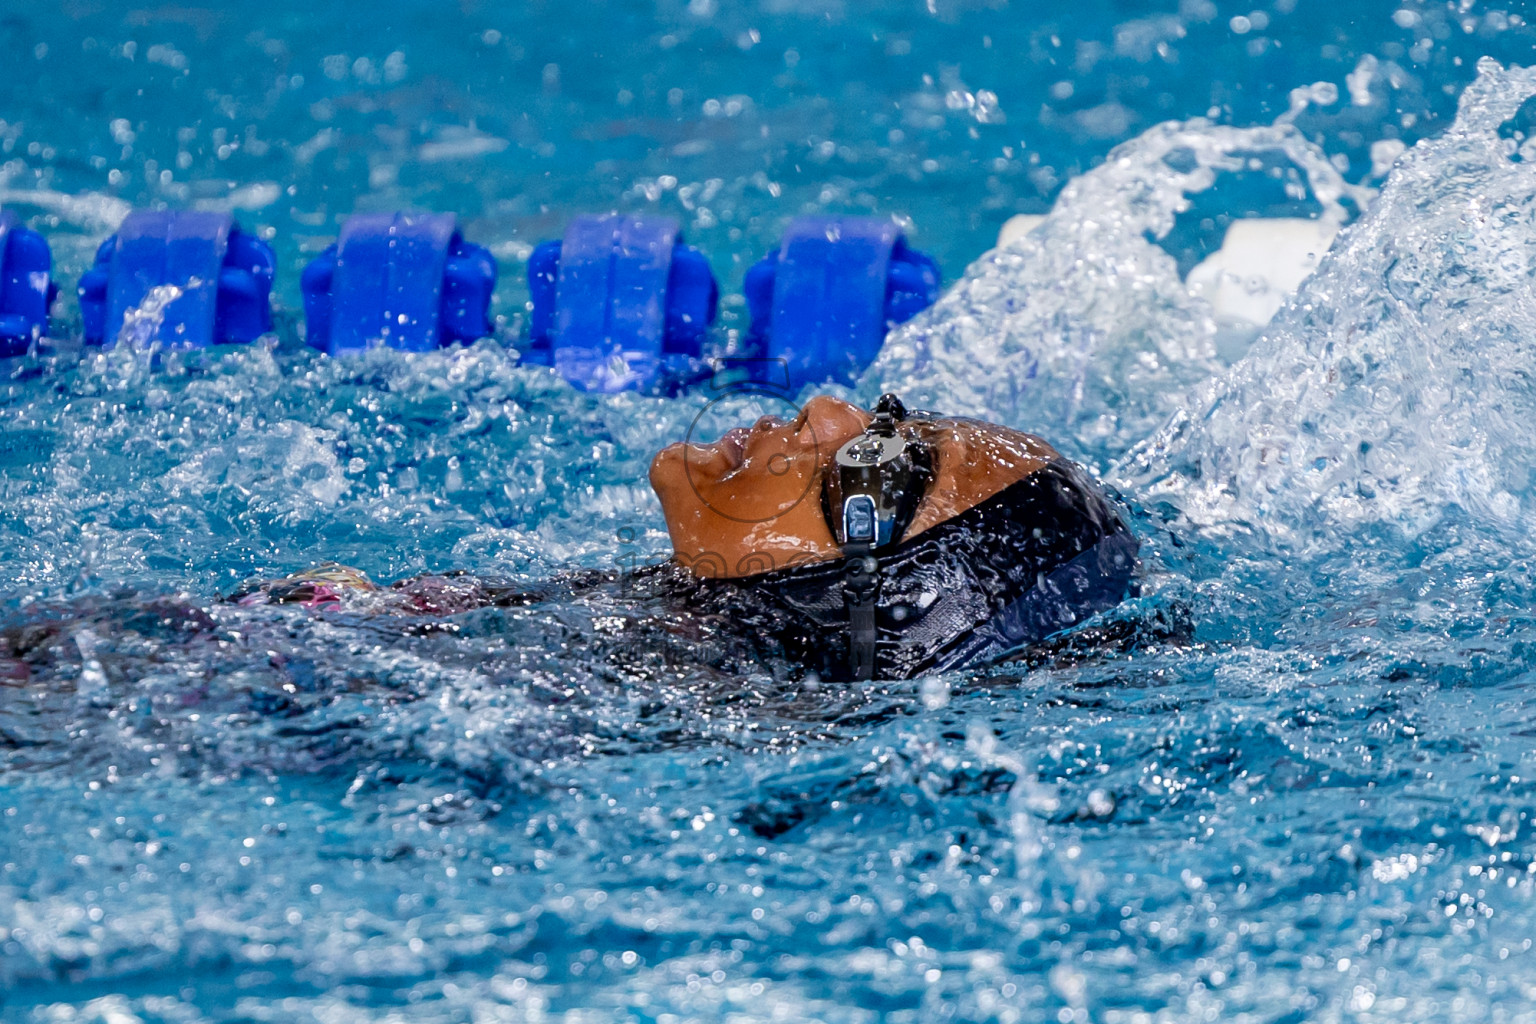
859,544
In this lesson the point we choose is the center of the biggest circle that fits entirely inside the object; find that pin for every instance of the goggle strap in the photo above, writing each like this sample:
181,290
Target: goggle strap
861,594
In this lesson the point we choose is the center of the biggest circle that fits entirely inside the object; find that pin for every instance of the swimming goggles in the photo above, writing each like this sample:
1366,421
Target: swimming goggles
870,497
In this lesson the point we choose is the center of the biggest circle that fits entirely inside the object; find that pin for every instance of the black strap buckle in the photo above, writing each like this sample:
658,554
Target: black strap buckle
870,496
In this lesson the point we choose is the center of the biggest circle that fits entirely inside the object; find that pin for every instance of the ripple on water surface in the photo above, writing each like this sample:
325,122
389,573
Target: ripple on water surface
1296,786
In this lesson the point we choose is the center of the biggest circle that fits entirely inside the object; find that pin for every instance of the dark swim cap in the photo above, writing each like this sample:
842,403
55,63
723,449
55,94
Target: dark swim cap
1038,557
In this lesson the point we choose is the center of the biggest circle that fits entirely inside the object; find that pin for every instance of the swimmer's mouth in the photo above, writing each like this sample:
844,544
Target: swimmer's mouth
733,445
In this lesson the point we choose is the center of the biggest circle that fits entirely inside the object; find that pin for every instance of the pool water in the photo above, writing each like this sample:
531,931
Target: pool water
1297,787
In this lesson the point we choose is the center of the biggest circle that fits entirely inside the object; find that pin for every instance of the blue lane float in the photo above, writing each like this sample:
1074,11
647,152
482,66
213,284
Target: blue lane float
408,281
26,285
620,303
214,281
824,301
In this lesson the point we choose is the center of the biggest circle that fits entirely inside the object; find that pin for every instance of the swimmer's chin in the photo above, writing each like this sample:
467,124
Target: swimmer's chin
680,461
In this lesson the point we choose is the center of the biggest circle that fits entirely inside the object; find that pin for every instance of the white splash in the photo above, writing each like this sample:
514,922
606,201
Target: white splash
1401,384
1081,329
141,324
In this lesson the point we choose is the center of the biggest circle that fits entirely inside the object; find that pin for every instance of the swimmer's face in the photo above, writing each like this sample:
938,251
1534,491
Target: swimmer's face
751,501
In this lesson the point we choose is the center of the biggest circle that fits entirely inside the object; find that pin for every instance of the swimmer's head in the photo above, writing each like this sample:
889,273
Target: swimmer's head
752,502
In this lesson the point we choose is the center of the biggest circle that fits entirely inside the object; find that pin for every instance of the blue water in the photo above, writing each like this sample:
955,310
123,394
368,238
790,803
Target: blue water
1302,791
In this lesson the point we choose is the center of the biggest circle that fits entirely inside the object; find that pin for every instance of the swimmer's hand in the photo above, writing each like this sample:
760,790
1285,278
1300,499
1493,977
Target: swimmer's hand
329,584
319,587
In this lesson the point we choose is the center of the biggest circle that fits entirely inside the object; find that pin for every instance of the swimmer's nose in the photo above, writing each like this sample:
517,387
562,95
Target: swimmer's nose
825,410
767,423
